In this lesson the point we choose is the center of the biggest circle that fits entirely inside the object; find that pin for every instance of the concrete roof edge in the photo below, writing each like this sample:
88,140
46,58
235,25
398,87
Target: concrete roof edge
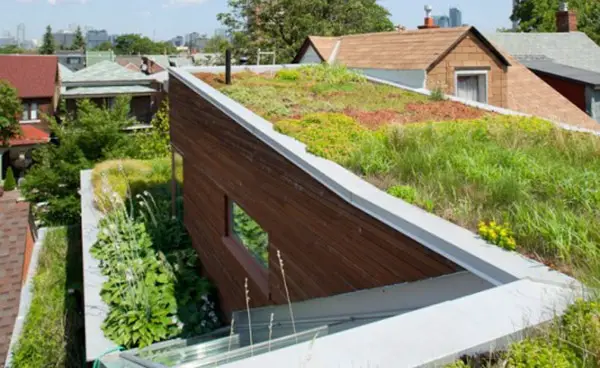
452,241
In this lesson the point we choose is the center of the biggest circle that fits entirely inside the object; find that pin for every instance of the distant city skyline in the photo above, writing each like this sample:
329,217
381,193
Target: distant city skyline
165,19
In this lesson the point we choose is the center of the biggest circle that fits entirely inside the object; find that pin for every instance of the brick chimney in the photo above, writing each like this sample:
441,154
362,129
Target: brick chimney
566,20
429,23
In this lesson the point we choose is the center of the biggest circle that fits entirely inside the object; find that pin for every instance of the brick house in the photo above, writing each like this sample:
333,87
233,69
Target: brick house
461,61
37,81
567,60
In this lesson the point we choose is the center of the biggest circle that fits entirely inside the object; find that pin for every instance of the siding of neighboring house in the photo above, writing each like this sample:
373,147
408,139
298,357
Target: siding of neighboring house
409,78
328,246
471,53
310,56
573,91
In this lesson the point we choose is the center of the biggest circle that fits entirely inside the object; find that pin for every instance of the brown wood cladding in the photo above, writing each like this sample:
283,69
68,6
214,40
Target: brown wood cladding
328,246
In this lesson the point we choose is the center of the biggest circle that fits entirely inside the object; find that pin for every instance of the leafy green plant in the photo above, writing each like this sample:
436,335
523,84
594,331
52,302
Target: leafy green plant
404,192
437,94
288,74
9,181
499,234
580,326
537,353
10,109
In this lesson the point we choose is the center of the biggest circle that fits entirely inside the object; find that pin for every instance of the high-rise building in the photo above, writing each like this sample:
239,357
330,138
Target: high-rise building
178,41
95,37
442,21
64,39
455,17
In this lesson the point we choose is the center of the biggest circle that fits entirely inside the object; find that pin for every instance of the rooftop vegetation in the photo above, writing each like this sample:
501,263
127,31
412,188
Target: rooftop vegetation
520,183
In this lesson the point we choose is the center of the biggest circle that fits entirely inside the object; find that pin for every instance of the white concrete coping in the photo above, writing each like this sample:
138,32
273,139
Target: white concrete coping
431,336
95,310
26,294
457,244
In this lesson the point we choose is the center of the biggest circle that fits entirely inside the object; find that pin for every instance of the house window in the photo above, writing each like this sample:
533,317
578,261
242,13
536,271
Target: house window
30,112
244,230
472,85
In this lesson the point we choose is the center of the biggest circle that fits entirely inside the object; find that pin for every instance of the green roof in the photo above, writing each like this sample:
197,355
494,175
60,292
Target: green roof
107,91
105,71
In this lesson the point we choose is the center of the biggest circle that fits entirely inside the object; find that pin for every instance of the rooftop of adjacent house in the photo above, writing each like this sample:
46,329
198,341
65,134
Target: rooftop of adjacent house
79,92
33,76
549,66
31,134
64,71
574,49
94,57
14,221
406,50
105,71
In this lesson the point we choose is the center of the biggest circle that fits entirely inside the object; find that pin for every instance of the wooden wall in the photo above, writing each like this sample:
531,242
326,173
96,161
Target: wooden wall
328,246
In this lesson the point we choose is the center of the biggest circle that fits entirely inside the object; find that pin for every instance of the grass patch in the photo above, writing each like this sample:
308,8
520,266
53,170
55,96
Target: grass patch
53,332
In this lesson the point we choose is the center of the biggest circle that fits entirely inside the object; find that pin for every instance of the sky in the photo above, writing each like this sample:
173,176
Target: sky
165,19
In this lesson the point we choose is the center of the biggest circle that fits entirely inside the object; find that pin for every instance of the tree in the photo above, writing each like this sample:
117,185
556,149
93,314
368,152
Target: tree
48,45
540,16
283,25
79,40
217,44
94,135
104,46
132,44
10,110
9,182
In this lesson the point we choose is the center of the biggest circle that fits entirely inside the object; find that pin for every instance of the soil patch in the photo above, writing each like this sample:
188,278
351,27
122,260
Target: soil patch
439,111
373,119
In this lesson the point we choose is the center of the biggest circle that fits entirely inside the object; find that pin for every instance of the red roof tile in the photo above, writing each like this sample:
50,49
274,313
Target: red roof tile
31,134
14,221
32,75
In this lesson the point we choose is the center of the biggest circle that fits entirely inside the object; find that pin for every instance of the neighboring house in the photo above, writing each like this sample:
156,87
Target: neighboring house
106,80
133,63
74,60
567,60
36,79
461,61
95,57
17,234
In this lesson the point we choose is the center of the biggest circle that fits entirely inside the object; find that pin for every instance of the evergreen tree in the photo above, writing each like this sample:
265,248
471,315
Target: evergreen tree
79,40
10,182
48,46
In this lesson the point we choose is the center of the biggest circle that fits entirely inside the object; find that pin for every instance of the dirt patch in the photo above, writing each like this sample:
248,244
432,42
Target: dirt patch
213,79
373,119
439,111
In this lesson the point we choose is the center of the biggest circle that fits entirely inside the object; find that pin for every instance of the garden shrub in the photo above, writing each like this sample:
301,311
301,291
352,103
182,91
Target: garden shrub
288,74
336,74
9,181
498,234
330,135
437,94
580,326
538,353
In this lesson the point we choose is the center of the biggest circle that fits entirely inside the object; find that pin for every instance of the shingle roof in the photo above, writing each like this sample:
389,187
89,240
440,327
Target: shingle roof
31,134
574,49
14,221
406,50
564,71
105,71
64,71
32,75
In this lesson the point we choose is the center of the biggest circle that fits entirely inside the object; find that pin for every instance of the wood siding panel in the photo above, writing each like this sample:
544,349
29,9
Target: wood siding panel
328,246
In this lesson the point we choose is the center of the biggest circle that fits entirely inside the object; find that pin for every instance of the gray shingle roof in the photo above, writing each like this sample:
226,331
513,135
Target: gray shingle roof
573,49
576,74
105,71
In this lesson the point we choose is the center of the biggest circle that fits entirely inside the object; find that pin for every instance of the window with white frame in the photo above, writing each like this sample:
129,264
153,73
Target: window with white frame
472,85
30,112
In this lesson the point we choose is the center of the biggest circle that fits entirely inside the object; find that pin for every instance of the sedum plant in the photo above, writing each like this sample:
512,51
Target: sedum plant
497,234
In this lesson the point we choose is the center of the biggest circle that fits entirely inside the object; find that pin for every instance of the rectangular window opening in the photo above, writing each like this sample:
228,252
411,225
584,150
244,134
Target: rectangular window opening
34,111
472,85
25,115
246,231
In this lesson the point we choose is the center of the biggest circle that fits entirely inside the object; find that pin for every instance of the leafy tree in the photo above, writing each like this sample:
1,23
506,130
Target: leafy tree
10,182
217,44
79,40
540,16
94,135
48,45
157,142
131,44
10,110
11,49
283,25
104,46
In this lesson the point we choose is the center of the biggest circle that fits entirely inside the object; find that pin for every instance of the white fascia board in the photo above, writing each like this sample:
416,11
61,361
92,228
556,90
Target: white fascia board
432,336
443,237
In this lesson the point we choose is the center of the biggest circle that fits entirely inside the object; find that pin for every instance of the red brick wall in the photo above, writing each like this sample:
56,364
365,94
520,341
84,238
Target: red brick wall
574,92
328,245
